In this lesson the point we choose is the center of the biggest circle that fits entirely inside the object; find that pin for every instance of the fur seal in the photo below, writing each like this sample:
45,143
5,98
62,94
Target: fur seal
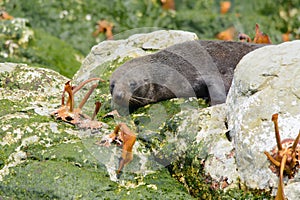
202,69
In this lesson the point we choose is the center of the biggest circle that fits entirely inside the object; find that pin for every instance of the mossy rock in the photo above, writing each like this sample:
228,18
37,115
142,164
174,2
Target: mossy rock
46,159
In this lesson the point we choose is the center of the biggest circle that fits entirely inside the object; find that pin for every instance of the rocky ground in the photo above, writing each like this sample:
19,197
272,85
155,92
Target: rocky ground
183,150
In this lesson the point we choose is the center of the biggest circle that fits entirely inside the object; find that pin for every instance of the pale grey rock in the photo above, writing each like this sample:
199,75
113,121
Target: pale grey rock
136,45
160,39
25,89
7,67
31,88
207,128
266,81
220,164
292,191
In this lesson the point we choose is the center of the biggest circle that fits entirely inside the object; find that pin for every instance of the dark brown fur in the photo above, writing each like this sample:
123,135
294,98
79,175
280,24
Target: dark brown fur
202,69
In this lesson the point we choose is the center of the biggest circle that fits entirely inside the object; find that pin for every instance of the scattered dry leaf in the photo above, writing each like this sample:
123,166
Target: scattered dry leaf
5,16
285,157
121,136
229,34
244,38
103,26
260,37
286,37
168,4
224,6
68,113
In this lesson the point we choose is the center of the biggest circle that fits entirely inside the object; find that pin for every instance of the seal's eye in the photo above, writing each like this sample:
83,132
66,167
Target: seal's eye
132,84
112,86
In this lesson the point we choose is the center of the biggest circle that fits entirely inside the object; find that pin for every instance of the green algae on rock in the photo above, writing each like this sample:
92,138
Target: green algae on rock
43,158
26,95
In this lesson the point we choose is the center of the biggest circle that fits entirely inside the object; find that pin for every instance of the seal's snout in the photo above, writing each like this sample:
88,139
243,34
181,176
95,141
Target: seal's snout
119,98
119,95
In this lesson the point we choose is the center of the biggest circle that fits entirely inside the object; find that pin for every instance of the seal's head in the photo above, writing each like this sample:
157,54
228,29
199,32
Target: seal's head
129,85
130,91
139,82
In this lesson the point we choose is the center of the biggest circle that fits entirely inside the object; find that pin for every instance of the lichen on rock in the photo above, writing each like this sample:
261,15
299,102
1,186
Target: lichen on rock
44,158
266,81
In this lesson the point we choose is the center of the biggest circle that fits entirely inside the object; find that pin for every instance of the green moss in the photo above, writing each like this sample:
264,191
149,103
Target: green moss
106,69
68,171
8,107
63,180
46,50
74,21
74,152
3,158
156,186
26,124
55,54
152,117
40,48
69,20
56,180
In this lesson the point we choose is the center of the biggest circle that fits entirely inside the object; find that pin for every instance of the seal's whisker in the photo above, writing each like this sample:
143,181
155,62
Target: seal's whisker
133,100
142,98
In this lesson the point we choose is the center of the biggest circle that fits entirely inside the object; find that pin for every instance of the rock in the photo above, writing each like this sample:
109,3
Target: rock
96,63
29,87
35,149
24,90
44,158
205,128
266,81
220,164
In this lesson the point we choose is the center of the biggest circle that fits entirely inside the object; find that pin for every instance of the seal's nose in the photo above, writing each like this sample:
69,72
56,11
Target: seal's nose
119,95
